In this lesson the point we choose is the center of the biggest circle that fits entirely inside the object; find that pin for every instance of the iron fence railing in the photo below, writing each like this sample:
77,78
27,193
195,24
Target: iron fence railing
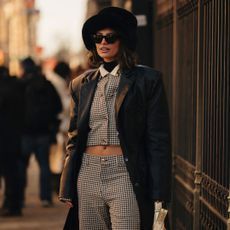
193,51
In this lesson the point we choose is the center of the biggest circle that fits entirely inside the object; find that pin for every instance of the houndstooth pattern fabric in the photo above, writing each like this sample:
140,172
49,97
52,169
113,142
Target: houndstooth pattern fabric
102,121
105,194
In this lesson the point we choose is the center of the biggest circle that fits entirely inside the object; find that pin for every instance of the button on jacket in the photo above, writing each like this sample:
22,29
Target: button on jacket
142,121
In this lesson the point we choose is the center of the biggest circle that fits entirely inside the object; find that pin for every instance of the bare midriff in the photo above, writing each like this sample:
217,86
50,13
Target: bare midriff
104,150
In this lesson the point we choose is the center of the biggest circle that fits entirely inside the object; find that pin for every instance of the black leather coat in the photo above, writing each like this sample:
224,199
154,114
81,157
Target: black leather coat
143,126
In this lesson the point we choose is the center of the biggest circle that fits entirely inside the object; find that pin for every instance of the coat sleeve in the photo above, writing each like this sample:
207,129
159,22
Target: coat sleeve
67,178
158,144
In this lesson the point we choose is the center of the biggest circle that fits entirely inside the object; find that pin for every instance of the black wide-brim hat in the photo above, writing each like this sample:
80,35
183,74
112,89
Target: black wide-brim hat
121,20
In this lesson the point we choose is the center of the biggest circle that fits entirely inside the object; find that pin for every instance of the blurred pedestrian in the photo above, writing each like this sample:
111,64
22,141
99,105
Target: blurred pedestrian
60,78
118,159
42,106
11,99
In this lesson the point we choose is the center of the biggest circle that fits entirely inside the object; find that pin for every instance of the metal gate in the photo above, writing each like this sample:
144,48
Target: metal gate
192,50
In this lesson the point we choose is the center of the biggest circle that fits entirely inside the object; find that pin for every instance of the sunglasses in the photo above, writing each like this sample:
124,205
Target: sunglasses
109,38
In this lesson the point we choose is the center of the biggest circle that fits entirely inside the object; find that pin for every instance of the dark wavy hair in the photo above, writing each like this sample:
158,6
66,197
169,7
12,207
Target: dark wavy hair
126,58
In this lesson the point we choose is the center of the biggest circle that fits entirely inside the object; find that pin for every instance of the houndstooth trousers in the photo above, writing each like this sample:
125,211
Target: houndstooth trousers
105,193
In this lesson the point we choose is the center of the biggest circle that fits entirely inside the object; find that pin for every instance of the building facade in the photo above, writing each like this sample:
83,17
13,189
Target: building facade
96,5
18,20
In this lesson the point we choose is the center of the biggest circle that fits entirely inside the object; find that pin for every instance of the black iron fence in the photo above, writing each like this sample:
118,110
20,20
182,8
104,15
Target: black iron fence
192,48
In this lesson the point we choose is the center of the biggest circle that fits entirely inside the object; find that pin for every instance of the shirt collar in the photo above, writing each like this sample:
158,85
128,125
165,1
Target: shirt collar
104,72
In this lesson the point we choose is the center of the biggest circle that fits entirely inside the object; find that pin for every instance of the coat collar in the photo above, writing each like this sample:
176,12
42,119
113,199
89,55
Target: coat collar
125,83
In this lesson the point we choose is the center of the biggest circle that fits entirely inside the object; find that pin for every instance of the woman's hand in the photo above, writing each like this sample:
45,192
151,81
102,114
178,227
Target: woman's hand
68,204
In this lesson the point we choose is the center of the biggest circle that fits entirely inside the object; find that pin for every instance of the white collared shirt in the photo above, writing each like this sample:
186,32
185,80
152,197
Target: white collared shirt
104,72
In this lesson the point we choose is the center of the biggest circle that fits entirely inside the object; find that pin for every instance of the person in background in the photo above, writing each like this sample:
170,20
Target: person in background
118,159
60,78
41,108
63,76
11,101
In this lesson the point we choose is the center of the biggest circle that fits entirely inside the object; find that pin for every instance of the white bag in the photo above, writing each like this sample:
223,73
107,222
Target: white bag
56,155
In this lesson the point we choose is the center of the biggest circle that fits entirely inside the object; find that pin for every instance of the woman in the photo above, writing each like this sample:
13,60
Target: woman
118,159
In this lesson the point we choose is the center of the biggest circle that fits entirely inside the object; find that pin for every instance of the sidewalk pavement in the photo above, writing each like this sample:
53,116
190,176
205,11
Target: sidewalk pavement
35,217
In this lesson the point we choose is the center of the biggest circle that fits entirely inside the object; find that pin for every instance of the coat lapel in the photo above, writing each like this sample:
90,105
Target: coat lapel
86,97
123,88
